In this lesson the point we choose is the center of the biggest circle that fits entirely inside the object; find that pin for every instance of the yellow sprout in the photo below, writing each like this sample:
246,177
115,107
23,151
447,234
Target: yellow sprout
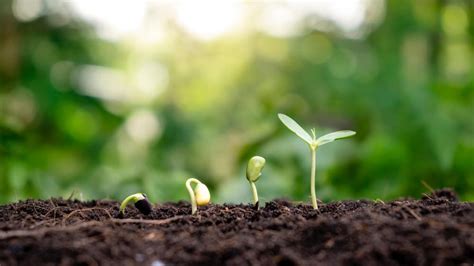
254,171
200,196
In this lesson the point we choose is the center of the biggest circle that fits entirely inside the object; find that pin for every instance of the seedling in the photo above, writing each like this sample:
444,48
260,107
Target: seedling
141,203
200,196
254,171
313,144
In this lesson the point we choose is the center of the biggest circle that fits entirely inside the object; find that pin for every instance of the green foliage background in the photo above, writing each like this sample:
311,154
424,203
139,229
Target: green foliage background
407,88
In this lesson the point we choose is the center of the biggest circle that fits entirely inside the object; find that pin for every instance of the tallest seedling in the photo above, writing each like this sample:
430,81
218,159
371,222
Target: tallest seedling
313,144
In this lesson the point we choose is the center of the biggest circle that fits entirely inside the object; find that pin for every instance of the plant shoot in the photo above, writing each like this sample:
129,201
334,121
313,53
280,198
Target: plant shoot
254,171
200,195
141,203
313,144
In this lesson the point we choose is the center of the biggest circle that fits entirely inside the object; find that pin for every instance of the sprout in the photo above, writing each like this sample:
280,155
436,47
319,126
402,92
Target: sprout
254,171
313,143
200,196
141,203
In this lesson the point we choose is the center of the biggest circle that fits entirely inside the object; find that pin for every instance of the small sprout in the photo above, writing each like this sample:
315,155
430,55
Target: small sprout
379,201
141,203
313,144
200,196
254,171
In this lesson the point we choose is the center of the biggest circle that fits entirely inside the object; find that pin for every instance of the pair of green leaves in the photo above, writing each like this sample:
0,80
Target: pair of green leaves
313,142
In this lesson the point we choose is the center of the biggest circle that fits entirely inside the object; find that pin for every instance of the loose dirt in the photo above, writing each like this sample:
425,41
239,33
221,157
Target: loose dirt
435,230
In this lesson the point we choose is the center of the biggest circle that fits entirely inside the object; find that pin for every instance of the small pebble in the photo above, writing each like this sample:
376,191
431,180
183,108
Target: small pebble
157,263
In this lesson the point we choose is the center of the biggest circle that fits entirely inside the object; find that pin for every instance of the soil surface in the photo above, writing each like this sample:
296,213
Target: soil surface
436,230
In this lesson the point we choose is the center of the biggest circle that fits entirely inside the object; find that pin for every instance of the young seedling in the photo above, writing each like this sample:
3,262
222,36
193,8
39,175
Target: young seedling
200,196
254,171
313,144
141,203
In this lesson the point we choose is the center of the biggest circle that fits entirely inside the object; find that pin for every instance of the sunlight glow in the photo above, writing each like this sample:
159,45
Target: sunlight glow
208,19
280,20
113,18
288,18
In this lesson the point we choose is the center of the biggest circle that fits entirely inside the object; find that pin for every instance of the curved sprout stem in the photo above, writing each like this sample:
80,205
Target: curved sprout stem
313,179
191,193
255,194
133,198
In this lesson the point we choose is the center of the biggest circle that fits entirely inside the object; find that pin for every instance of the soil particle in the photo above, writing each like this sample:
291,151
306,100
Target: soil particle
436,230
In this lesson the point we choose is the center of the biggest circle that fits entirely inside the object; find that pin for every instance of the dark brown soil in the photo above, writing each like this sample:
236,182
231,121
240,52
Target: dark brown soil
436,230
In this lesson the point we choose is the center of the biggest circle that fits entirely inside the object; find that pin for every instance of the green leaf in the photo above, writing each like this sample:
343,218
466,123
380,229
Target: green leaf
334,135
296,128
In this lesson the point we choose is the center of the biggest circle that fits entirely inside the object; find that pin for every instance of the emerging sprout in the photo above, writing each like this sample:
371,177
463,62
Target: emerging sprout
141,203
200,196
313,143
254,171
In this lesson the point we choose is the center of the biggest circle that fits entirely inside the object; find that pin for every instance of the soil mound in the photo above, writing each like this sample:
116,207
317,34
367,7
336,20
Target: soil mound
436,230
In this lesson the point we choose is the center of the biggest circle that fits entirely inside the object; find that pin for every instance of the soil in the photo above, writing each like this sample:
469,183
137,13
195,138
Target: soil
435,230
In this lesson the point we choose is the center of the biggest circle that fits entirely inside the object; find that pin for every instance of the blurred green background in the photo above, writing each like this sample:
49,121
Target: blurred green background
100,99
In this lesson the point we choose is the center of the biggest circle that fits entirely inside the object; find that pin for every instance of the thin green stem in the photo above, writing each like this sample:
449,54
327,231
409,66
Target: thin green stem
313,178
191,193
255,194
